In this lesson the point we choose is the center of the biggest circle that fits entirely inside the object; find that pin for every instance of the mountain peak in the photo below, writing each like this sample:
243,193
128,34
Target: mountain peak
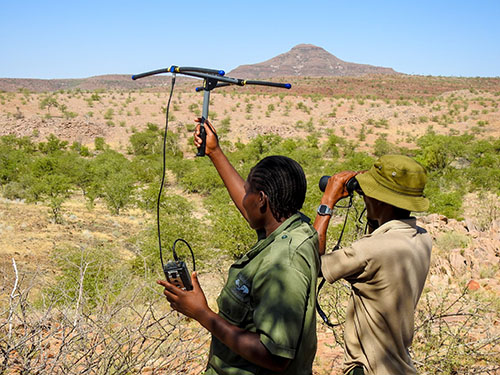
307,60
307,47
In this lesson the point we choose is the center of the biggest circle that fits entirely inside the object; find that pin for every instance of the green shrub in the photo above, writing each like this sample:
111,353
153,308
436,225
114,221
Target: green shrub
108,115
14,190
114,180
383,147
224,126
48,102
147,169
448,203
176,221
15,158
203,177
331,146
356,161
439,151
145,143
95,97
80,149
99,144
49,181
86,274
229,230
52,145
452,240
117,191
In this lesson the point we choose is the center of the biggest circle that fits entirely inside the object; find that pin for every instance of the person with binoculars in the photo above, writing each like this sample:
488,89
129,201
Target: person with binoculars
386,268
266,321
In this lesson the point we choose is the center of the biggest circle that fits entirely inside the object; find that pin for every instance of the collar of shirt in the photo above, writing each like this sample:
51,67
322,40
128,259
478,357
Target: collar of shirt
395,224
291,222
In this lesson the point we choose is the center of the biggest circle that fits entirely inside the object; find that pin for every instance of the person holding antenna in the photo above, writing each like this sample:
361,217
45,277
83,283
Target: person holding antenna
266,321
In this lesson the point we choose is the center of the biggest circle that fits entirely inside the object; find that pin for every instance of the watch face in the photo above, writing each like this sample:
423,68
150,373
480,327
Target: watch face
323,209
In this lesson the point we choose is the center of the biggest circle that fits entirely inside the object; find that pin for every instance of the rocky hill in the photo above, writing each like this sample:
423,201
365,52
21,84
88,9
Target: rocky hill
307,60
303,60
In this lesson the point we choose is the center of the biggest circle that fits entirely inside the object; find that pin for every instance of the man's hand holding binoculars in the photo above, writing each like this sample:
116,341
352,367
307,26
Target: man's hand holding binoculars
335,190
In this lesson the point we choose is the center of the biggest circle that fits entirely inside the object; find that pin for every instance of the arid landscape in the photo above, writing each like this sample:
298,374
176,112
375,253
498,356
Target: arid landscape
458,321
397,109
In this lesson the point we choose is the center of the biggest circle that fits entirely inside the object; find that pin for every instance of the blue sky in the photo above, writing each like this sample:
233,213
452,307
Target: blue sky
77,39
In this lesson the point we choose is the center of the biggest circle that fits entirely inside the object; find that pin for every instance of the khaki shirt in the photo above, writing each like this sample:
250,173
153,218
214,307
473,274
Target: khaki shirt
271,291
387,270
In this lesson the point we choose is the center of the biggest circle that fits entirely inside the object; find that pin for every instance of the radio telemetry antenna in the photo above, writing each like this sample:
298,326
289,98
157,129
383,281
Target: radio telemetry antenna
212,79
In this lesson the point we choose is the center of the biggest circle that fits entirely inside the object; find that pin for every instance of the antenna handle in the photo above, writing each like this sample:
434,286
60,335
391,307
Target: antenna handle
266,83
203,136
204,116
151,73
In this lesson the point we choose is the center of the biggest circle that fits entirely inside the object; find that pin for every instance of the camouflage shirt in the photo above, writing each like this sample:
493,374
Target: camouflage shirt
271,291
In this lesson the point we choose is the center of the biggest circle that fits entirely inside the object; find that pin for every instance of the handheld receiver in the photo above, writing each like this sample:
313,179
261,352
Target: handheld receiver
177,273
176,270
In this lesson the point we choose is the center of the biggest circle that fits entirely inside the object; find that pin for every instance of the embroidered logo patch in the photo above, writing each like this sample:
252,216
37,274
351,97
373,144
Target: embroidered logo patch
241,287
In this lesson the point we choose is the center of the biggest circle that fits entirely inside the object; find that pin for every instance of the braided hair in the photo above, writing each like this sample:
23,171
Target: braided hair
283,181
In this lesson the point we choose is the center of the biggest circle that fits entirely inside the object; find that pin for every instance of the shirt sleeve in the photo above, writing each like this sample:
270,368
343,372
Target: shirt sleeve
343,263
280,293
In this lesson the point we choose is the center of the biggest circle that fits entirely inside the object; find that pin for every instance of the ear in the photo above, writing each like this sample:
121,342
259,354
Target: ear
263,201
262,197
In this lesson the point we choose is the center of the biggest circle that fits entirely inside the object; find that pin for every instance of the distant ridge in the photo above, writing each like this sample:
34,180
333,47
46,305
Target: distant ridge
104,82
306,60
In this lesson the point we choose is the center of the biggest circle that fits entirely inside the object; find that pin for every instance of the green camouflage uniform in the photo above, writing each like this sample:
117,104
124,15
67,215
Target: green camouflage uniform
271,291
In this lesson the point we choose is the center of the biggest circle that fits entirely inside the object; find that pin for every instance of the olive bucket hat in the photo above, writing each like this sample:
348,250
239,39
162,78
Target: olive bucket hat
397,180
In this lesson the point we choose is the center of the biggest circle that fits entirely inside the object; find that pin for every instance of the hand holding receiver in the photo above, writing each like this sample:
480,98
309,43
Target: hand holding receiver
192,303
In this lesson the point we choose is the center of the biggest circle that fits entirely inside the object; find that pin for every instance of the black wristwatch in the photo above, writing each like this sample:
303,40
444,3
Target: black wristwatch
324,210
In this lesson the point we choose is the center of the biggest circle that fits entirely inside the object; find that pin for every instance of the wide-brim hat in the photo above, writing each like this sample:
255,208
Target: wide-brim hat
397,180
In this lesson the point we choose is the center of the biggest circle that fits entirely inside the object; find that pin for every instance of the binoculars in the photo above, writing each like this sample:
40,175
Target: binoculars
352,185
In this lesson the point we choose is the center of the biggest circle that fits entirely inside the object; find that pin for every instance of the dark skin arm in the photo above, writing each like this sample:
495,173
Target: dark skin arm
247,344
231,178
335,190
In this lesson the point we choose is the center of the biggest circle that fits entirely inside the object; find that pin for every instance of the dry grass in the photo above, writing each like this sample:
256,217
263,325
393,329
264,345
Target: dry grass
129,334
